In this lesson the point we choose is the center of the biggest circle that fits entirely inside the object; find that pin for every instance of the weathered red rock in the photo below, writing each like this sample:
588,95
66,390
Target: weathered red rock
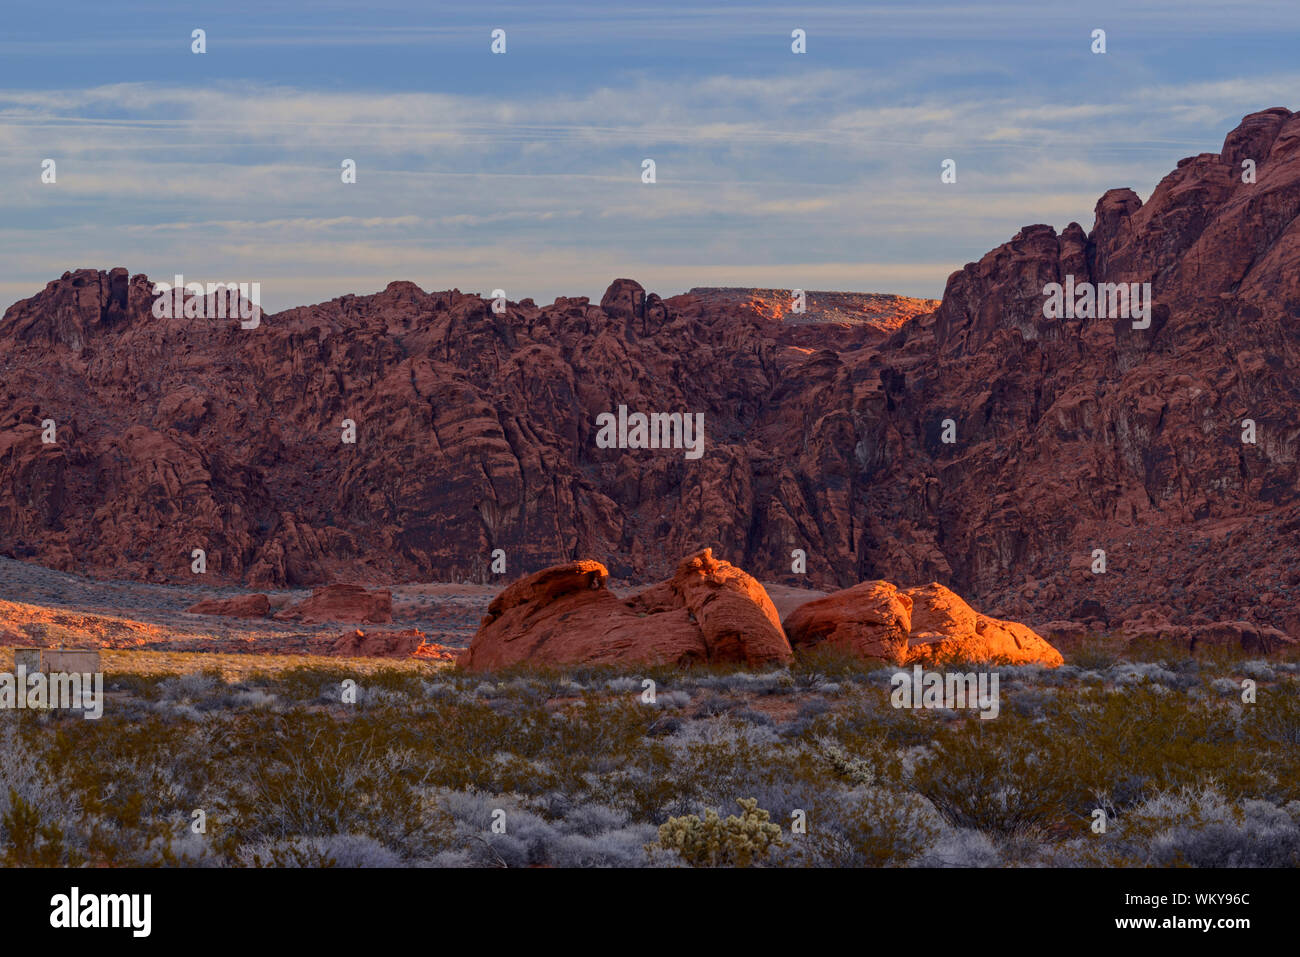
240,606
341,603
1249,637
709,611
1152,626
928,625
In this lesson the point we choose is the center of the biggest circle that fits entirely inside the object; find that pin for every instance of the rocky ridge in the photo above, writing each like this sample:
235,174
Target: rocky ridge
475,430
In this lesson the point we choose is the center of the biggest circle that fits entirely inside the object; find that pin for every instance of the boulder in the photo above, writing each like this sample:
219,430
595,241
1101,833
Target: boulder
928,625
709,611
624,299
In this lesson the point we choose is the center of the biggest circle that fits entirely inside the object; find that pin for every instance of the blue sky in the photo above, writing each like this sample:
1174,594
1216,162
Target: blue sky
522,171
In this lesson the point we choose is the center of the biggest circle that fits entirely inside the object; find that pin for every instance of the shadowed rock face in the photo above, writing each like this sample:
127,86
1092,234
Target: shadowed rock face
476,431
709,611
928,625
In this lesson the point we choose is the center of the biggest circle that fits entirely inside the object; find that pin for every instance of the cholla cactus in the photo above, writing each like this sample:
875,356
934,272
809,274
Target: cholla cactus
854,769
714,842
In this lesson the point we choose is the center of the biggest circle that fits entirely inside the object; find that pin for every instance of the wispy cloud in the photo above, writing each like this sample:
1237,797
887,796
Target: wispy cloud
524,172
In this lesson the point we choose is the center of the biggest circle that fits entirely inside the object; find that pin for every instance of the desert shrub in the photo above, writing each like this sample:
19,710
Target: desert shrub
622,685
1259,670
711,841
673,699
26,776
1094,657
440,690
821,664
136,685
1033,702
866,827
184,848
29,841
195,685
335,850
322,684
1195,827
282,767
960,847
997,779
256,699
1275,718
756,682
315,777
1132,673
663,726
589,837
711,761
1153,740
813,708
715,705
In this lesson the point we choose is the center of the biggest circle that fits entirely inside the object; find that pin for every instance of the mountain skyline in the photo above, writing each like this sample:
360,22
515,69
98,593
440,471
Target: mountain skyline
522,171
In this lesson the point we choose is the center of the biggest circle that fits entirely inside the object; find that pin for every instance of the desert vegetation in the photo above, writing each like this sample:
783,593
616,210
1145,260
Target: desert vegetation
574,767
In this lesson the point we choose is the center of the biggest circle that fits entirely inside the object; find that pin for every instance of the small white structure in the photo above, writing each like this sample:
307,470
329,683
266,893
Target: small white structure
58,660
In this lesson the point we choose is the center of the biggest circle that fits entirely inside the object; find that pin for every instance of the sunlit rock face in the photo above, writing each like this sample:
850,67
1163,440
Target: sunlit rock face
709,611
927,625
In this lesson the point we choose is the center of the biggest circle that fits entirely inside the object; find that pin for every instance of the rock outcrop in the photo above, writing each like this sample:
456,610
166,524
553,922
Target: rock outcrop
1154,628
709,611
240,606
341,603
927,625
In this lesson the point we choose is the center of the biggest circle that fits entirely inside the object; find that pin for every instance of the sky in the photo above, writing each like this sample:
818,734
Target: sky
522,171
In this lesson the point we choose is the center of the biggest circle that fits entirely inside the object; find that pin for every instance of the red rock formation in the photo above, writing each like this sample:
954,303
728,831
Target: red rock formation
475,431
709,611
1238,635
341,603
240,606
927,625
840,319
1249,637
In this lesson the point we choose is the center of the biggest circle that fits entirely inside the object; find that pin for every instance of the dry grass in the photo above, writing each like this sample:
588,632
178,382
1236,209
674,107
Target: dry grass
235,667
